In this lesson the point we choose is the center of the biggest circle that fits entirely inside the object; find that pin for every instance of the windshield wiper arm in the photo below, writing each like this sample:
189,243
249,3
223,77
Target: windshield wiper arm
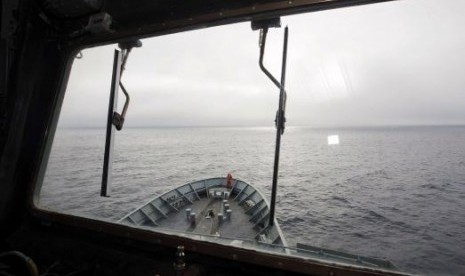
115,120
280,120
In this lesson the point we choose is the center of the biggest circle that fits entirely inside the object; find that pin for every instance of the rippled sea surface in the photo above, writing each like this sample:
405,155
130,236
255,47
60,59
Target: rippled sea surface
396,193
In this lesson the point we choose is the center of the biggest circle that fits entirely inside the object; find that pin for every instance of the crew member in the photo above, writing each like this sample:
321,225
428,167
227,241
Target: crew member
229,181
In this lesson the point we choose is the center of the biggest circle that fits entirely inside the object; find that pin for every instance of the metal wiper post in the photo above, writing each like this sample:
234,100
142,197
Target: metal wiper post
280,116
115,120
108,156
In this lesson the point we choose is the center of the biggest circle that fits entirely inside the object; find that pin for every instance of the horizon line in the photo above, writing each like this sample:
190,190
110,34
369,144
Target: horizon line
268,126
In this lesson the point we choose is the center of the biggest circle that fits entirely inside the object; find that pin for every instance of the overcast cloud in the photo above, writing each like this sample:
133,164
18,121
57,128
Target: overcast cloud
392,63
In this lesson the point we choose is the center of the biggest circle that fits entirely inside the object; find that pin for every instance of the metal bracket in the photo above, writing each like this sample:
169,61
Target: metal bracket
99,23
126,47
118,119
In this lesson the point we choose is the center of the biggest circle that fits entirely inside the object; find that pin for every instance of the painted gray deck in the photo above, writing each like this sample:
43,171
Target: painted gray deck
239,227
249,218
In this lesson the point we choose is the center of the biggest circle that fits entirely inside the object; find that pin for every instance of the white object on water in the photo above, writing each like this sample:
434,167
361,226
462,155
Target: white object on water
333,139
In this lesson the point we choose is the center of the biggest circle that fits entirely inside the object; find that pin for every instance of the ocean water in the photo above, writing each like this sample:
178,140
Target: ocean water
389,192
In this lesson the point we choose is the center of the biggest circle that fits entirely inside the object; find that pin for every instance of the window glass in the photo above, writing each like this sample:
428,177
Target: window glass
372,158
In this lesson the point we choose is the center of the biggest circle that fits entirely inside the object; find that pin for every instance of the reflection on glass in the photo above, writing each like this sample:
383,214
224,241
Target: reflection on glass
333,140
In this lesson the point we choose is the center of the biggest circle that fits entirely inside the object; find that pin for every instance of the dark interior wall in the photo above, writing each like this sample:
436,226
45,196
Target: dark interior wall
36,70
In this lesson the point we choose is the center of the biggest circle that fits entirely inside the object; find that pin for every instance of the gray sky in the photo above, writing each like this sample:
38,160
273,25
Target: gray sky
392,63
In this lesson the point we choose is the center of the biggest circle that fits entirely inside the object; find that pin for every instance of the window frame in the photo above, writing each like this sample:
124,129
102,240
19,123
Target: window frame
129,234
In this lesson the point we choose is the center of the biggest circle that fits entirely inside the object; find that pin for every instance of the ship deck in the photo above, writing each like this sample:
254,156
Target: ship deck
210,207
238,226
